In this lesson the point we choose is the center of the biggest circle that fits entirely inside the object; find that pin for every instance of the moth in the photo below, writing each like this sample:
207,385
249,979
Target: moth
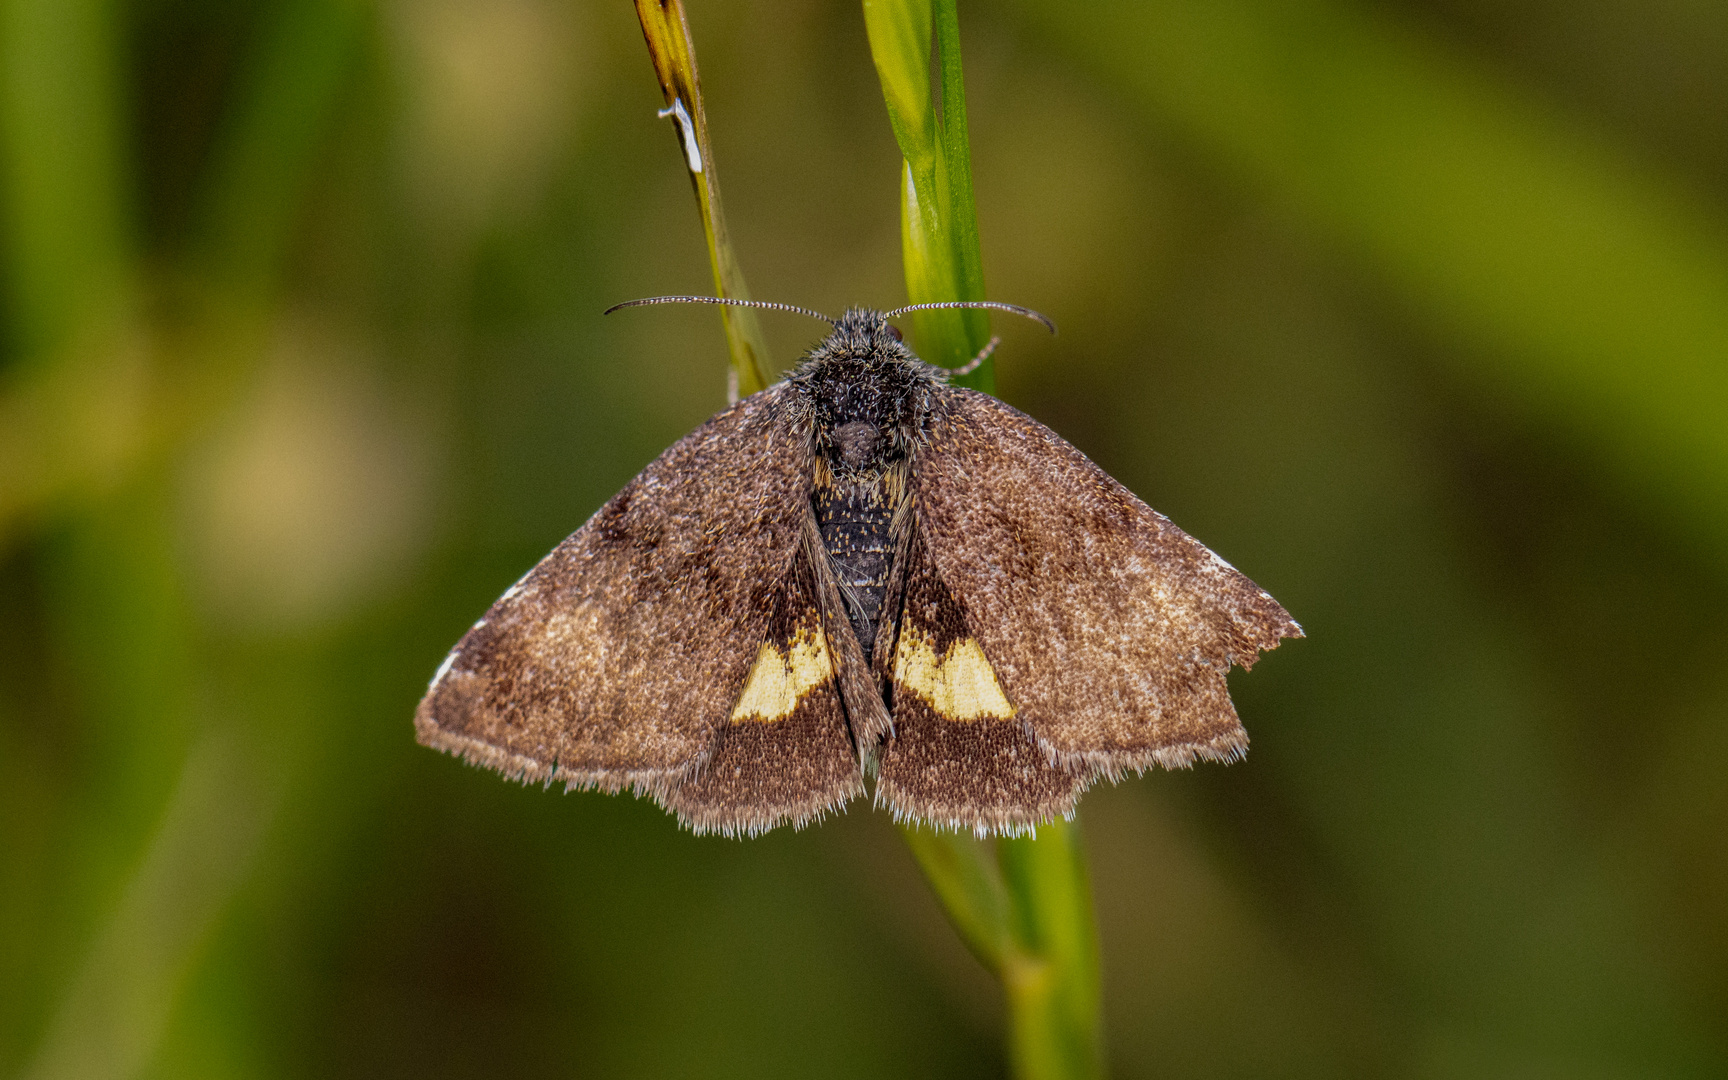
860,573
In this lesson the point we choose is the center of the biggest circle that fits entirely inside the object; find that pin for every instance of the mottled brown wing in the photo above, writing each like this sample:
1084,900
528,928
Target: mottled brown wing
617,661
1110,629
958,755
783,752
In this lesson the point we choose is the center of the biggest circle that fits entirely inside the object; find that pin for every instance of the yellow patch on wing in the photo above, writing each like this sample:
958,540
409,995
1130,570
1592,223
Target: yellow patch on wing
778,680
960,684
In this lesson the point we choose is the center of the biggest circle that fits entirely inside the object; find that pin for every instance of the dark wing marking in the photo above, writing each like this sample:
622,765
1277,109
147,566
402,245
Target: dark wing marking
1111,629
616,661
784,752
958,756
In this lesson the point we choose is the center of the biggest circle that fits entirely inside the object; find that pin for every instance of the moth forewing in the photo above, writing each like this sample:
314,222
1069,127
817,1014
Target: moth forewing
613,663
1110,628
959,755
784,753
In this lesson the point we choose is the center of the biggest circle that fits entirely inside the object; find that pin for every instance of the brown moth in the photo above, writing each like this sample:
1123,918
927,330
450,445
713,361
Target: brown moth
860,570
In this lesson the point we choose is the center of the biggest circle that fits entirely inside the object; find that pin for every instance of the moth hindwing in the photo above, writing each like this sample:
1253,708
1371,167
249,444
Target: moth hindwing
860,565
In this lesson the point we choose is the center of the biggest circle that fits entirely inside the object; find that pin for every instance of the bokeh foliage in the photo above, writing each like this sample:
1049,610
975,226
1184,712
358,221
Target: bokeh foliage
1417,312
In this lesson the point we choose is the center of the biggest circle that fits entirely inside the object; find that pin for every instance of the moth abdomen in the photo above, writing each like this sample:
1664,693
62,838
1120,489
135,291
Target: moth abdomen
854,516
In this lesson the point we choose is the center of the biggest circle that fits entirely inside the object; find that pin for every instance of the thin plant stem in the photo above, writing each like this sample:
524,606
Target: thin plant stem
674,54
1024,904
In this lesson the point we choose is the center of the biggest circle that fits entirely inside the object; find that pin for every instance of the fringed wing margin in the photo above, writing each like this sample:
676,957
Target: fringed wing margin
616,661
1110,629
785,752
959,756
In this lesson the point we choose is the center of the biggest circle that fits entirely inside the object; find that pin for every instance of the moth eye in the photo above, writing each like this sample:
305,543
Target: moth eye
894,332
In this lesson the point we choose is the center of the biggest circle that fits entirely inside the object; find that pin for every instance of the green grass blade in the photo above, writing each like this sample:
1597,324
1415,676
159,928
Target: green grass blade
1030,917
965,877
1052,984
64,205
71,388
109,1022
939,226
271,142
172,832
900,45
954,195
667,32
79,424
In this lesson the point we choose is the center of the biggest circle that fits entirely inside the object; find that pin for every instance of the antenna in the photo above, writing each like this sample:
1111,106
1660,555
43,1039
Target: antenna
992,304
725,300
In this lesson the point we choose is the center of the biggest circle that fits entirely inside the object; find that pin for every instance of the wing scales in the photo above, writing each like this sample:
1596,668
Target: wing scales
784,752
1111,629
959,754
615,661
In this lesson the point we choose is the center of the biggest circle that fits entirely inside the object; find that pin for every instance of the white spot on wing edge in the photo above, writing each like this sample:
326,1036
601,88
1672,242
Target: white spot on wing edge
1219,560
511,592
443,670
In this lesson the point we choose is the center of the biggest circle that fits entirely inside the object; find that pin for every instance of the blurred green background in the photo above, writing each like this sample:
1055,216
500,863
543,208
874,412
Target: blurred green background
1415,311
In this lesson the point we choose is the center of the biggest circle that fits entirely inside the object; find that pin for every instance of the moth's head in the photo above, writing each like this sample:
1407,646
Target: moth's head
863,387
860,335
863,370
865,336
